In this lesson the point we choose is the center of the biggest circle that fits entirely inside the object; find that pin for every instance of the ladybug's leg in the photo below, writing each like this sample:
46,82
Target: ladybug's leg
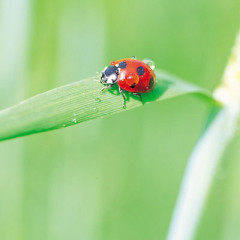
107,87
138,94
124,100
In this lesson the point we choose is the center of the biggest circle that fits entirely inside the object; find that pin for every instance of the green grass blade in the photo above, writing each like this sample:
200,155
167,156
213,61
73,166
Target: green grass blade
200,172
82,101
202,165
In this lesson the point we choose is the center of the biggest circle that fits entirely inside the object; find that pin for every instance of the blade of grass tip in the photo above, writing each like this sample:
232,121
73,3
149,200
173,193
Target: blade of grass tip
82,101
202,164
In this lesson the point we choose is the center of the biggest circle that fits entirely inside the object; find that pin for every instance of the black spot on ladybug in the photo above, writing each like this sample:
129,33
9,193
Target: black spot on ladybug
151,83
122,65
140,71
111,70
133,85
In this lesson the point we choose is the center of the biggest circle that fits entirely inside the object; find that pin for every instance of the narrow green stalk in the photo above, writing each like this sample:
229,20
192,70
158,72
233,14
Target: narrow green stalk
202,164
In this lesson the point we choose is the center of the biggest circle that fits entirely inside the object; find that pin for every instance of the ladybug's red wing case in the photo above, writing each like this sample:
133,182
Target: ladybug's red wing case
135,76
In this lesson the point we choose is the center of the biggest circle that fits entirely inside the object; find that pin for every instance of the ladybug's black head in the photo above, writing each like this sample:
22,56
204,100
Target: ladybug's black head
109,75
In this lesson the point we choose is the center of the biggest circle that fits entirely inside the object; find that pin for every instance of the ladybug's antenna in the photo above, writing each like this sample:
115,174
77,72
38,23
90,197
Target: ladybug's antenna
98,77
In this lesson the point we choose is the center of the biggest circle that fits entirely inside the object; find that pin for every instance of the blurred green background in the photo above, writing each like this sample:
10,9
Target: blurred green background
115,178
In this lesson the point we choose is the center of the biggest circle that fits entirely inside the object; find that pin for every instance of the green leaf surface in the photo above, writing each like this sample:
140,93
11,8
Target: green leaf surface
81,101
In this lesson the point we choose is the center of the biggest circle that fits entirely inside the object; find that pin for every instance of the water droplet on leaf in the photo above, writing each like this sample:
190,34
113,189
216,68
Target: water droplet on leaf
97,100
74,120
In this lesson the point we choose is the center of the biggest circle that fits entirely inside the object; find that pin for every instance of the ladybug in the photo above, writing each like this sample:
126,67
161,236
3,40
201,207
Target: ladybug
131,75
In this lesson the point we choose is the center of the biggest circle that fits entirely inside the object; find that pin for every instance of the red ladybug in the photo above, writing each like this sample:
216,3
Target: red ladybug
131,75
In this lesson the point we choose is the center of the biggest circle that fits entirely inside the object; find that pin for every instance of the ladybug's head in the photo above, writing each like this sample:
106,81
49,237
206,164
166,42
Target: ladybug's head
109,75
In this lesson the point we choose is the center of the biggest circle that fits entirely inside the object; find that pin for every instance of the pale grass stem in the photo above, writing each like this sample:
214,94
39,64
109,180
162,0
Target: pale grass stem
205,157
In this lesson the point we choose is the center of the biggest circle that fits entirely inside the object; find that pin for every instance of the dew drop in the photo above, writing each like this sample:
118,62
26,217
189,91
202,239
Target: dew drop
149,62
74,114
74,120
95,109
98,100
